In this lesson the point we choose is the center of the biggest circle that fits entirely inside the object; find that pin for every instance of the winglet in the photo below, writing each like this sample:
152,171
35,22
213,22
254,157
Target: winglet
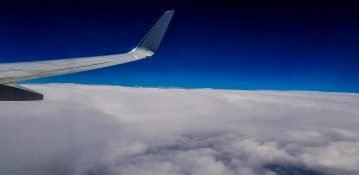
154,37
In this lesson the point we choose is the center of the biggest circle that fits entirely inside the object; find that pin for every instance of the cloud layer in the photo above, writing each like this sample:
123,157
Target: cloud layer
81,129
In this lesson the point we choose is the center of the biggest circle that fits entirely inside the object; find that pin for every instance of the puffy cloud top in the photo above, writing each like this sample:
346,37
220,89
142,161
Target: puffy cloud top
82,129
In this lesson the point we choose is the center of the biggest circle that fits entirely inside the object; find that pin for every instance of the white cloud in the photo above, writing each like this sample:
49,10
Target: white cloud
81,129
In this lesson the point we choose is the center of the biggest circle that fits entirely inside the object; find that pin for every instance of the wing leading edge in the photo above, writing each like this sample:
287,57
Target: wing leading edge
13,72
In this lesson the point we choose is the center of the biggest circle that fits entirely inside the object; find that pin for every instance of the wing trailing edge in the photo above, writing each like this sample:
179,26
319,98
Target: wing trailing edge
14,92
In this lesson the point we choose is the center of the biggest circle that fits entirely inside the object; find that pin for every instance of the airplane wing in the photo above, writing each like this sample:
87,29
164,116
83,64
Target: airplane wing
13,72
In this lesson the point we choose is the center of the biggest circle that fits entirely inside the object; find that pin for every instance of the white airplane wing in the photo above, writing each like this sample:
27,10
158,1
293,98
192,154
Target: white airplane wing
13,72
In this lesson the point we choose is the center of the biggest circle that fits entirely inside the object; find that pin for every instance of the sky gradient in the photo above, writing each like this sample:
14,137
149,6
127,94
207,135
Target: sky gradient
277,45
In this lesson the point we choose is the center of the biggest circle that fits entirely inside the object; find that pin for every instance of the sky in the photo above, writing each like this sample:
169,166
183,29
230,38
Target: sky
114,130
271,45
212,100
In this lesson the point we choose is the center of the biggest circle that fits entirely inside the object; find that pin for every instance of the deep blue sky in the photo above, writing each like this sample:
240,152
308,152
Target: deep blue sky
296,45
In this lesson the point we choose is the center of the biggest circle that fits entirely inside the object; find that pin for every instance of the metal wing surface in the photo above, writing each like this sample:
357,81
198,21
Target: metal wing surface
20,71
